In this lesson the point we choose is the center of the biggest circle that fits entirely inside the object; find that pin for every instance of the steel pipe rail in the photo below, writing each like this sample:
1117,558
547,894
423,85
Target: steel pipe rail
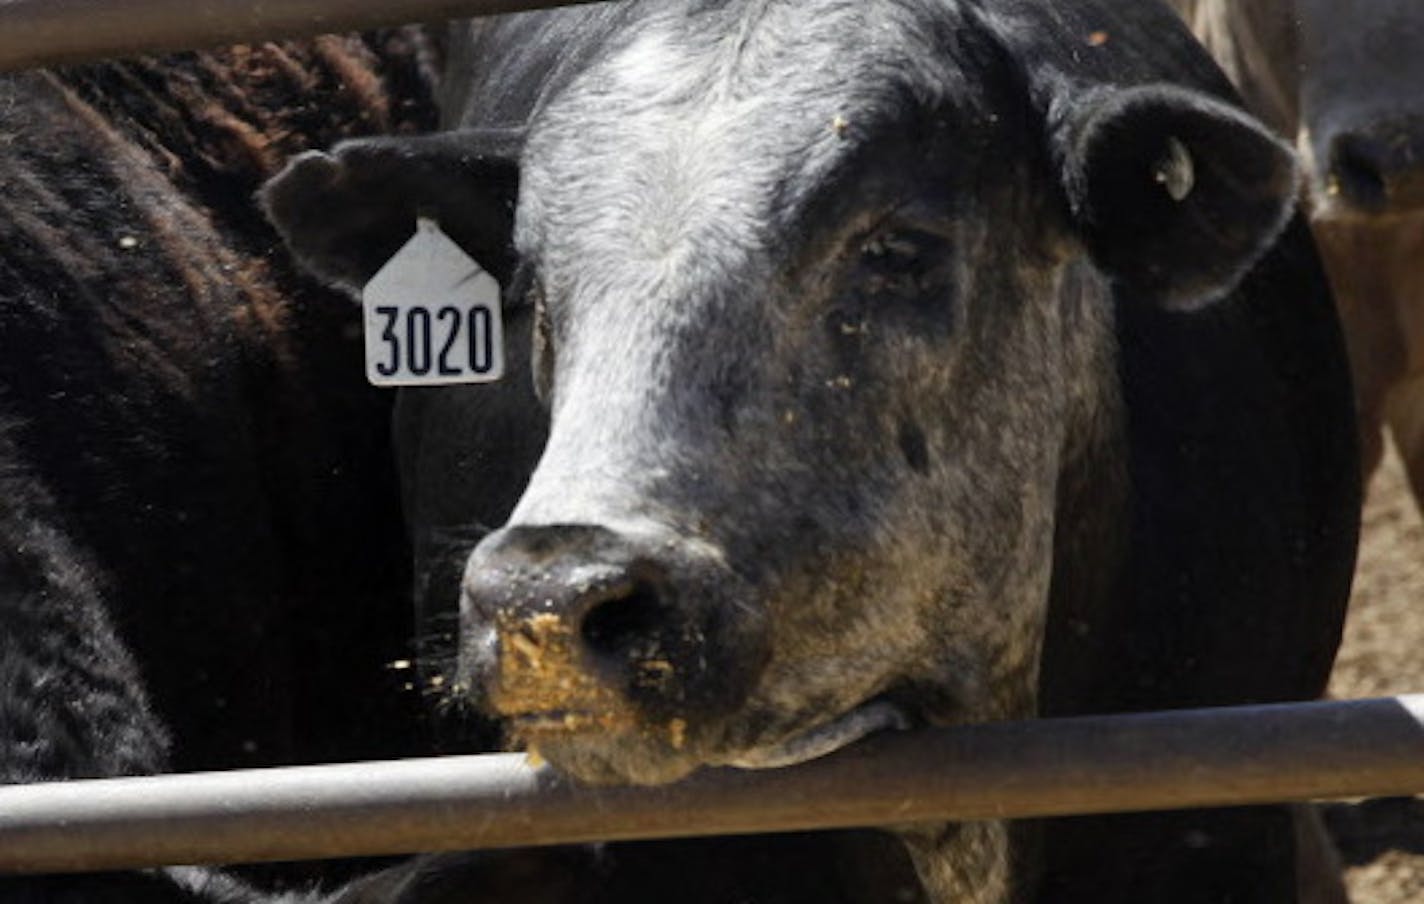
51,32
1050,767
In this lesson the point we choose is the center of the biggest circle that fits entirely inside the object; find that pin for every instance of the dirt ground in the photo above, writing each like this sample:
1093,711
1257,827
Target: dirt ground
1383,654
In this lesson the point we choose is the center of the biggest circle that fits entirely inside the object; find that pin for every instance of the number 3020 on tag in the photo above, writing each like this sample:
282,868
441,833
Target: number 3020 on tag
432,316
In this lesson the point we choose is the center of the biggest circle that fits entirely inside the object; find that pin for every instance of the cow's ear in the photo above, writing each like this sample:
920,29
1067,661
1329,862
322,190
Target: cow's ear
344,213
1177,194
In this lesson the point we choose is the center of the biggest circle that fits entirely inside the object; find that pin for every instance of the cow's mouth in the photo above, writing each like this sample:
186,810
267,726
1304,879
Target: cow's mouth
602,748
605,748
534,729
826,738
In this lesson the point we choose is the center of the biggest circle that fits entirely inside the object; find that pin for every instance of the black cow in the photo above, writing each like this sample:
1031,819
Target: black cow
907,363
202,563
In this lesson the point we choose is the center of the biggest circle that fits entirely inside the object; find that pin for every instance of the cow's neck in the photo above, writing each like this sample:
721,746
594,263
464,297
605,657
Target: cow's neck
1090,536
996,862
963,863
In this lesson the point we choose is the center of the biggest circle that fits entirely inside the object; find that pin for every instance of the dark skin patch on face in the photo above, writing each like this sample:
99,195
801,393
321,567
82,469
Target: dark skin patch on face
913,447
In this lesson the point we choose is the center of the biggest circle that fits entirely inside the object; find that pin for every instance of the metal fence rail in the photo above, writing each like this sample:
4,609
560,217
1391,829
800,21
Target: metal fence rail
1188,758
49,32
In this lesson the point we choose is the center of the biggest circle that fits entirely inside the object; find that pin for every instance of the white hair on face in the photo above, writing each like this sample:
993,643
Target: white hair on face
731,111
656,184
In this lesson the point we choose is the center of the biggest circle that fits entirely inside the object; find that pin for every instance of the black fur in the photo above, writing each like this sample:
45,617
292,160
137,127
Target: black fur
202,563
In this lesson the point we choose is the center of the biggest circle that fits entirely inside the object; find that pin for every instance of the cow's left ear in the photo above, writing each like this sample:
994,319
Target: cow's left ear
344,213
1177,194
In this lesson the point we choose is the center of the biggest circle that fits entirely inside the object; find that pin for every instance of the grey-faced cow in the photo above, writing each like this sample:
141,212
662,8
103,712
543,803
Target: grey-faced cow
1345,81
906,363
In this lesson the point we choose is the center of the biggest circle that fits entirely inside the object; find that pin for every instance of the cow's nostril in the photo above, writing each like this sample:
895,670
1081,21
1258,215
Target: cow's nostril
627,626
1358,173
586,622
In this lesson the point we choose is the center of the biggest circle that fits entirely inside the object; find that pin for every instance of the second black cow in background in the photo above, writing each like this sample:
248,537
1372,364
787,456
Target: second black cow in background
202,563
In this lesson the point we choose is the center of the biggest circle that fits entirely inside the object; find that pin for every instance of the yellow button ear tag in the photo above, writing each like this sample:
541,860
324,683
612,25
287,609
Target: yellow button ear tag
432,316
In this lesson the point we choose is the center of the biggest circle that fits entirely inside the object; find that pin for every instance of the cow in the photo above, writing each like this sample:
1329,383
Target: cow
1342,80
905,363
203,559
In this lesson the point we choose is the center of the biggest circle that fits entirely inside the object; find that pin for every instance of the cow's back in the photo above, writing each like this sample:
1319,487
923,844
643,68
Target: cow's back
195,409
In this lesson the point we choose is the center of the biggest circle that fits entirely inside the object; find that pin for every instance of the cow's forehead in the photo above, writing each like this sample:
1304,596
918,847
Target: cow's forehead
706,126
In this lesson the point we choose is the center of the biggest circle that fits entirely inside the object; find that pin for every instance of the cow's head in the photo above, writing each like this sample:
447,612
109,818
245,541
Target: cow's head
1361,107
1341,76
824,325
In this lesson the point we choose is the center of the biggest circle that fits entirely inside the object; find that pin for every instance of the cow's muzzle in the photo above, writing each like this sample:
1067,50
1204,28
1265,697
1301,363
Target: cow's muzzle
581,631
1375,168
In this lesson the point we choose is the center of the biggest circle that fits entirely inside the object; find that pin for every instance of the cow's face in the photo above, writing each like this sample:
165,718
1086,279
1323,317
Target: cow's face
1361,107
802,348
821,322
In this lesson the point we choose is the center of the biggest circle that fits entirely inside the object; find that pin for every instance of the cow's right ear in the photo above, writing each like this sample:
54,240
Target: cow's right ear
344,213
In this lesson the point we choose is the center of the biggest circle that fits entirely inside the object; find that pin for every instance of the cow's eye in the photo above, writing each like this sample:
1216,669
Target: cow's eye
899,261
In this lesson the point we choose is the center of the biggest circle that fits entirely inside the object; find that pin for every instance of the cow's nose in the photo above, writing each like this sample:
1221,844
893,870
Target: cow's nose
589,624
1379,169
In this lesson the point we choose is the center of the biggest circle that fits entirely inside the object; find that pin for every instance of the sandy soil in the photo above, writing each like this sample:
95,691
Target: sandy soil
1383,654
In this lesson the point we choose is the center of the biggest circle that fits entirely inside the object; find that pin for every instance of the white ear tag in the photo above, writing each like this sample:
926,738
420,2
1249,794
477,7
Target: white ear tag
432,316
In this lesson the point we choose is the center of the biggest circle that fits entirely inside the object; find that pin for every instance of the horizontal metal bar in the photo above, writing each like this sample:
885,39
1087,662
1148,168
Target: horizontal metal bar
1190,758
51,32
